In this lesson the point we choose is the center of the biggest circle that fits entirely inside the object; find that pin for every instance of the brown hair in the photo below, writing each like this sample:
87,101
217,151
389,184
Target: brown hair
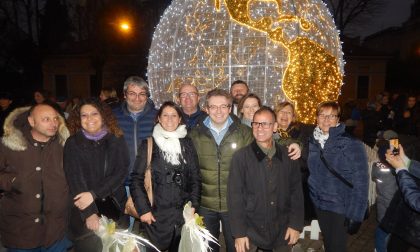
329,104
218,92
242,101
74,124
109,92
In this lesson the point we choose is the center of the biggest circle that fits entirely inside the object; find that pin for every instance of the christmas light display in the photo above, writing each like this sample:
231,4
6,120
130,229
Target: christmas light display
284,50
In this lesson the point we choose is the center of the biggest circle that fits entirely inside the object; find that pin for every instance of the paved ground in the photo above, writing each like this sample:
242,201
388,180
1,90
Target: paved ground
363,241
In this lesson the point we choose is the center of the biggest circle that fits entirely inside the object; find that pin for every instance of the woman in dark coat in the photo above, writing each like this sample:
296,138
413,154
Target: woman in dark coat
340,198
175,179
96,164
289,133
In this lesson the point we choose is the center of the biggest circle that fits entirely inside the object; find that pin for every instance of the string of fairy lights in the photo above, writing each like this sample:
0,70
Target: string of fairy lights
284,50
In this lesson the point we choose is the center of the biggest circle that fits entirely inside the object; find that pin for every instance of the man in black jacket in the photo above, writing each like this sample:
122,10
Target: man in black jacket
265,199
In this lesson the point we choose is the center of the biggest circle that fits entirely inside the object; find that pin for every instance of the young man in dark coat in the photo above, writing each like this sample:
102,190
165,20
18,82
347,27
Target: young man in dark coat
34,208
265,199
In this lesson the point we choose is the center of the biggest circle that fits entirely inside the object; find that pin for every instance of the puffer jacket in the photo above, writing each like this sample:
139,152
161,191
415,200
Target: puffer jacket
34,208
135,131
214,161
409,183
348,158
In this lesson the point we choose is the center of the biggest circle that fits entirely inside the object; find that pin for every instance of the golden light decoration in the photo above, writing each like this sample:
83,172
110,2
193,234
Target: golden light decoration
284,50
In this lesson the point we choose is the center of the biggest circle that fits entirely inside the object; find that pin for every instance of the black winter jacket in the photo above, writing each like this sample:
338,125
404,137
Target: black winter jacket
264,196
84,161
173,187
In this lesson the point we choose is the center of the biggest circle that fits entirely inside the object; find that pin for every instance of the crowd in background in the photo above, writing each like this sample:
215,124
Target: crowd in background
191,155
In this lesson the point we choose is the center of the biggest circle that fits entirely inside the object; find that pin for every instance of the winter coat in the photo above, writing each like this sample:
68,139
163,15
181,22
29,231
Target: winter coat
300,133
215,161
173,186
192,120
401,220
386,186
84,165
135,131
34,208
264,196
409,183
348,158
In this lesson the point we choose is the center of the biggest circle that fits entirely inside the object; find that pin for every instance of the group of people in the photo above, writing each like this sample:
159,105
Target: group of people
257,171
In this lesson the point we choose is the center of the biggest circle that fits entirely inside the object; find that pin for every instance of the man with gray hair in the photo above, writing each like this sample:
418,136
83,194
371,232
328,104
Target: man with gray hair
136,114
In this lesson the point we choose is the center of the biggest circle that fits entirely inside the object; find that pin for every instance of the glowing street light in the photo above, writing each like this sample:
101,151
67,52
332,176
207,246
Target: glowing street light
124,26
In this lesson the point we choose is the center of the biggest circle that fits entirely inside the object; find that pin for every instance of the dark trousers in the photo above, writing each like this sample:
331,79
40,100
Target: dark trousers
396,244
333,230
285,248
212,221
89,243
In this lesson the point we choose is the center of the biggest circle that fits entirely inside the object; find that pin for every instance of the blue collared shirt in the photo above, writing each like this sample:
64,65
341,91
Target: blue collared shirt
218,134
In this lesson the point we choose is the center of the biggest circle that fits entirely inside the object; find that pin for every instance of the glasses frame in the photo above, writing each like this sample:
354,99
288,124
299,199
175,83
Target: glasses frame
264,125
135,95
221,107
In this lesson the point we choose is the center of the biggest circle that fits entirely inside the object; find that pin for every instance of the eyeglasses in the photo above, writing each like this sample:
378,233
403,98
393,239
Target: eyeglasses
221,107
264,125
327,117
185,95
134,95
287,113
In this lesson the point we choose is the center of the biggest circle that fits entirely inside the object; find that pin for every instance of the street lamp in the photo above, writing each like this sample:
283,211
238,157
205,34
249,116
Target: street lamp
124,26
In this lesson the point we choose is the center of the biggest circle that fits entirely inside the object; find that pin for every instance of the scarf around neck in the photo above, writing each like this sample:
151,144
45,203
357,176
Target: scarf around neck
97,136
168,142
320,137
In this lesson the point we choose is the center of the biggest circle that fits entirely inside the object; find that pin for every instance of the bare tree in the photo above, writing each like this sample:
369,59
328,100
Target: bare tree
350,15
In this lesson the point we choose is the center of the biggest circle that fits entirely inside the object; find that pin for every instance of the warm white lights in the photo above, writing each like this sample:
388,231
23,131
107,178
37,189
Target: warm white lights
282,49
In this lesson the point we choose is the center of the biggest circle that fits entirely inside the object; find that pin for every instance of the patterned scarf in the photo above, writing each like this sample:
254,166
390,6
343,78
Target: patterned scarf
320,137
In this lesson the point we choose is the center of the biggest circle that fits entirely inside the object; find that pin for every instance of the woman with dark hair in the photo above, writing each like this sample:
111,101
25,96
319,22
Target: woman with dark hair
338,178
175,179
247,107
96,164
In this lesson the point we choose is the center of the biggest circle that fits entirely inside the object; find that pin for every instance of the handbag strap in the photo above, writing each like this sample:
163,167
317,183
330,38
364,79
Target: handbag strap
334,172
149,152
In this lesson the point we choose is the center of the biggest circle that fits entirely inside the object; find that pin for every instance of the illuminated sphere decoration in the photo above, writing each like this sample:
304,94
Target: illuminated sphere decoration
284,50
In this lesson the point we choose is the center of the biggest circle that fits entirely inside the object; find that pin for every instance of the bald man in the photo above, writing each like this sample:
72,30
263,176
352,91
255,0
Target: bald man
33,210
188,99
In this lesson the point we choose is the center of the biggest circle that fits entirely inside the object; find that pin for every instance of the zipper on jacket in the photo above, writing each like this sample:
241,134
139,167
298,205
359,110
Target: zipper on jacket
218,177
135,138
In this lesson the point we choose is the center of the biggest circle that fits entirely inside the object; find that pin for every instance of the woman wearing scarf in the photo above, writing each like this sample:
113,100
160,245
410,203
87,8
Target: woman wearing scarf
96,164
291,132
175,179
338,180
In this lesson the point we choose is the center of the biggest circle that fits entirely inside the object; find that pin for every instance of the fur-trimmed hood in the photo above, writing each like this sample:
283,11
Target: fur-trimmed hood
17,123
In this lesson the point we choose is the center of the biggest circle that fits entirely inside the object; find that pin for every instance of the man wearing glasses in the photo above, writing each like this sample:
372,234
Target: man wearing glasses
265,197
188,99
216,138
136,115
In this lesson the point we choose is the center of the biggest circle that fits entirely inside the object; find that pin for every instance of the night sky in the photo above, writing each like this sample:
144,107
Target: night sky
394,14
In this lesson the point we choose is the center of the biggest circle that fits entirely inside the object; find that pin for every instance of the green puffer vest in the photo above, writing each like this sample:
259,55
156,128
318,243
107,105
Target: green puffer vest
214,161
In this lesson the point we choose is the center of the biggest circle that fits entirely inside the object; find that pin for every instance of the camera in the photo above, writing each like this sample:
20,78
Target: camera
174,176
394,146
